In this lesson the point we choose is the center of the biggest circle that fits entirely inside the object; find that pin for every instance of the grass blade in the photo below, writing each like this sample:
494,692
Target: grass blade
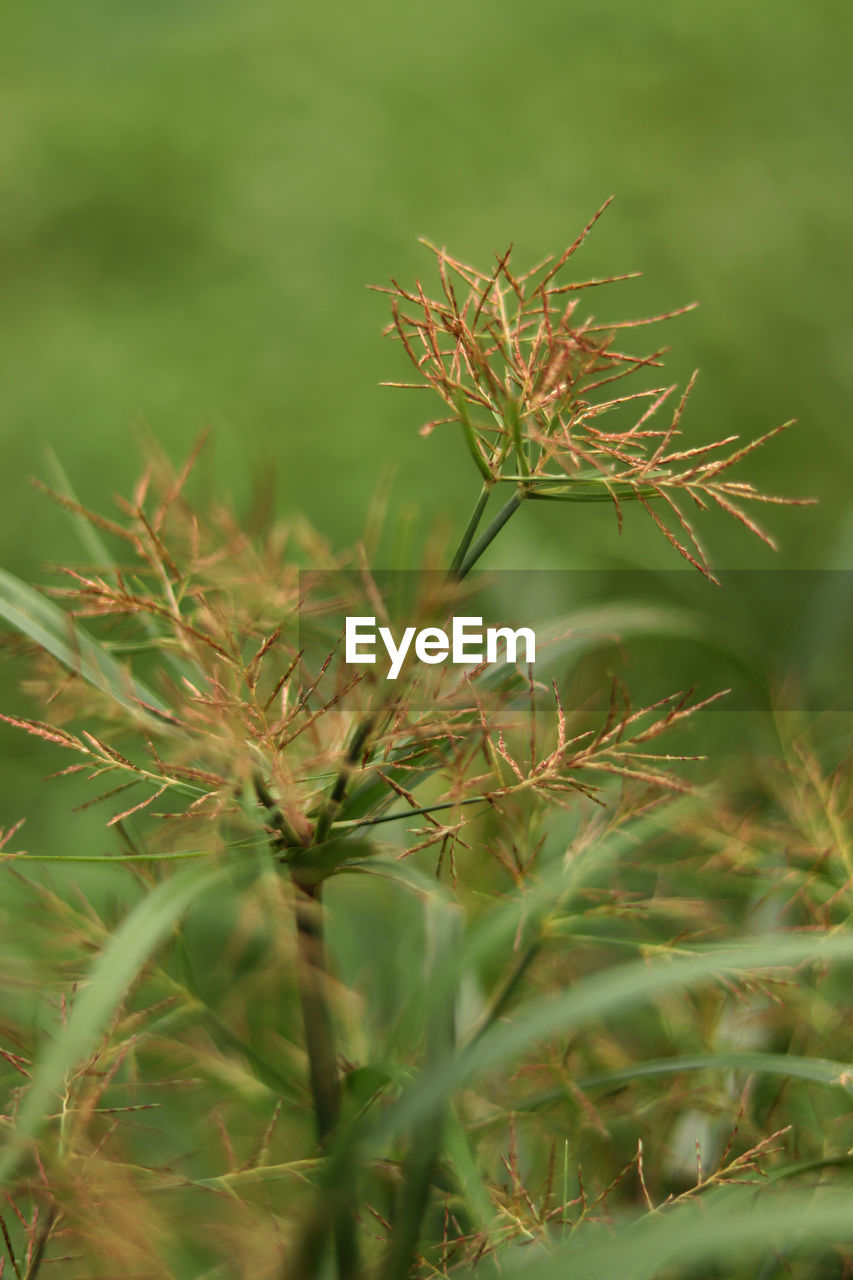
43,622
622,986
112,973
793,1066
720,1228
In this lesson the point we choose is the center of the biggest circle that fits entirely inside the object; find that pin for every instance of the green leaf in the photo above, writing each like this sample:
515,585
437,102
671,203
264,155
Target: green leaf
99,553
90,538
817,1070
112,973
472,438
469,1177
622,986
719,1229
372,793
43,622
312,864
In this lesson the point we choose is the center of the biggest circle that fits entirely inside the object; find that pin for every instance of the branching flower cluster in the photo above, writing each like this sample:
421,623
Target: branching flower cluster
196,675
237,701
528,378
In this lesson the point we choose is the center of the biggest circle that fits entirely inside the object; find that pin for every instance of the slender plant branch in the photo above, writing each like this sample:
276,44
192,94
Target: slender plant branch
471,529
426,1138
316,1015
313,974
504,994
285,837
486,539
41,1245
311,971
357,823
313,980
10,1251
336,796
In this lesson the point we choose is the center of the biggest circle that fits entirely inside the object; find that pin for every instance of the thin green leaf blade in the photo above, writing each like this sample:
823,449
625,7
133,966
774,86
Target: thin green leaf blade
721,1228
621,986
43,622
112,973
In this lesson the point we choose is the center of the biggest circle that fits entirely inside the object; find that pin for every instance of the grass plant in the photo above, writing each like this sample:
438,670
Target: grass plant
448,980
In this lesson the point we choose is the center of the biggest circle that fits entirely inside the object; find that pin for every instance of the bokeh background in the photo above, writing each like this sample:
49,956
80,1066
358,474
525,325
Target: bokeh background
194,195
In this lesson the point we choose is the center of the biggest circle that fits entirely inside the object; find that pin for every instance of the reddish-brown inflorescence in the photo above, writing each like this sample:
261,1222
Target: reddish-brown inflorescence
527,379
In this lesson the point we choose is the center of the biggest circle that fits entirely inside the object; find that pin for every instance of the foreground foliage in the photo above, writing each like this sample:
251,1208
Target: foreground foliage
448,980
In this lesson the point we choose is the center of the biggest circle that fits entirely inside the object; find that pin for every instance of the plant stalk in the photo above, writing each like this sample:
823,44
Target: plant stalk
313,979
486,539
426,1136
470,529
316,1015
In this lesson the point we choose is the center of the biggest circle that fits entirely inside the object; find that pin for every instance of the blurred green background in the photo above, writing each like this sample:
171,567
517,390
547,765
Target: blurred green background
194,196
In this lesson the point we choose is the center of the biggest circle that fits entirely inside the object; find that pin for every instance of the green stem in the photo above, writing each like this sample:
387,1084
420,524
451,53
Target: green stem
313,977
471,528
472,440
389,817
486,539
285,837
426,1137
336,796
504,994
312,980
41,1245
316,1016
